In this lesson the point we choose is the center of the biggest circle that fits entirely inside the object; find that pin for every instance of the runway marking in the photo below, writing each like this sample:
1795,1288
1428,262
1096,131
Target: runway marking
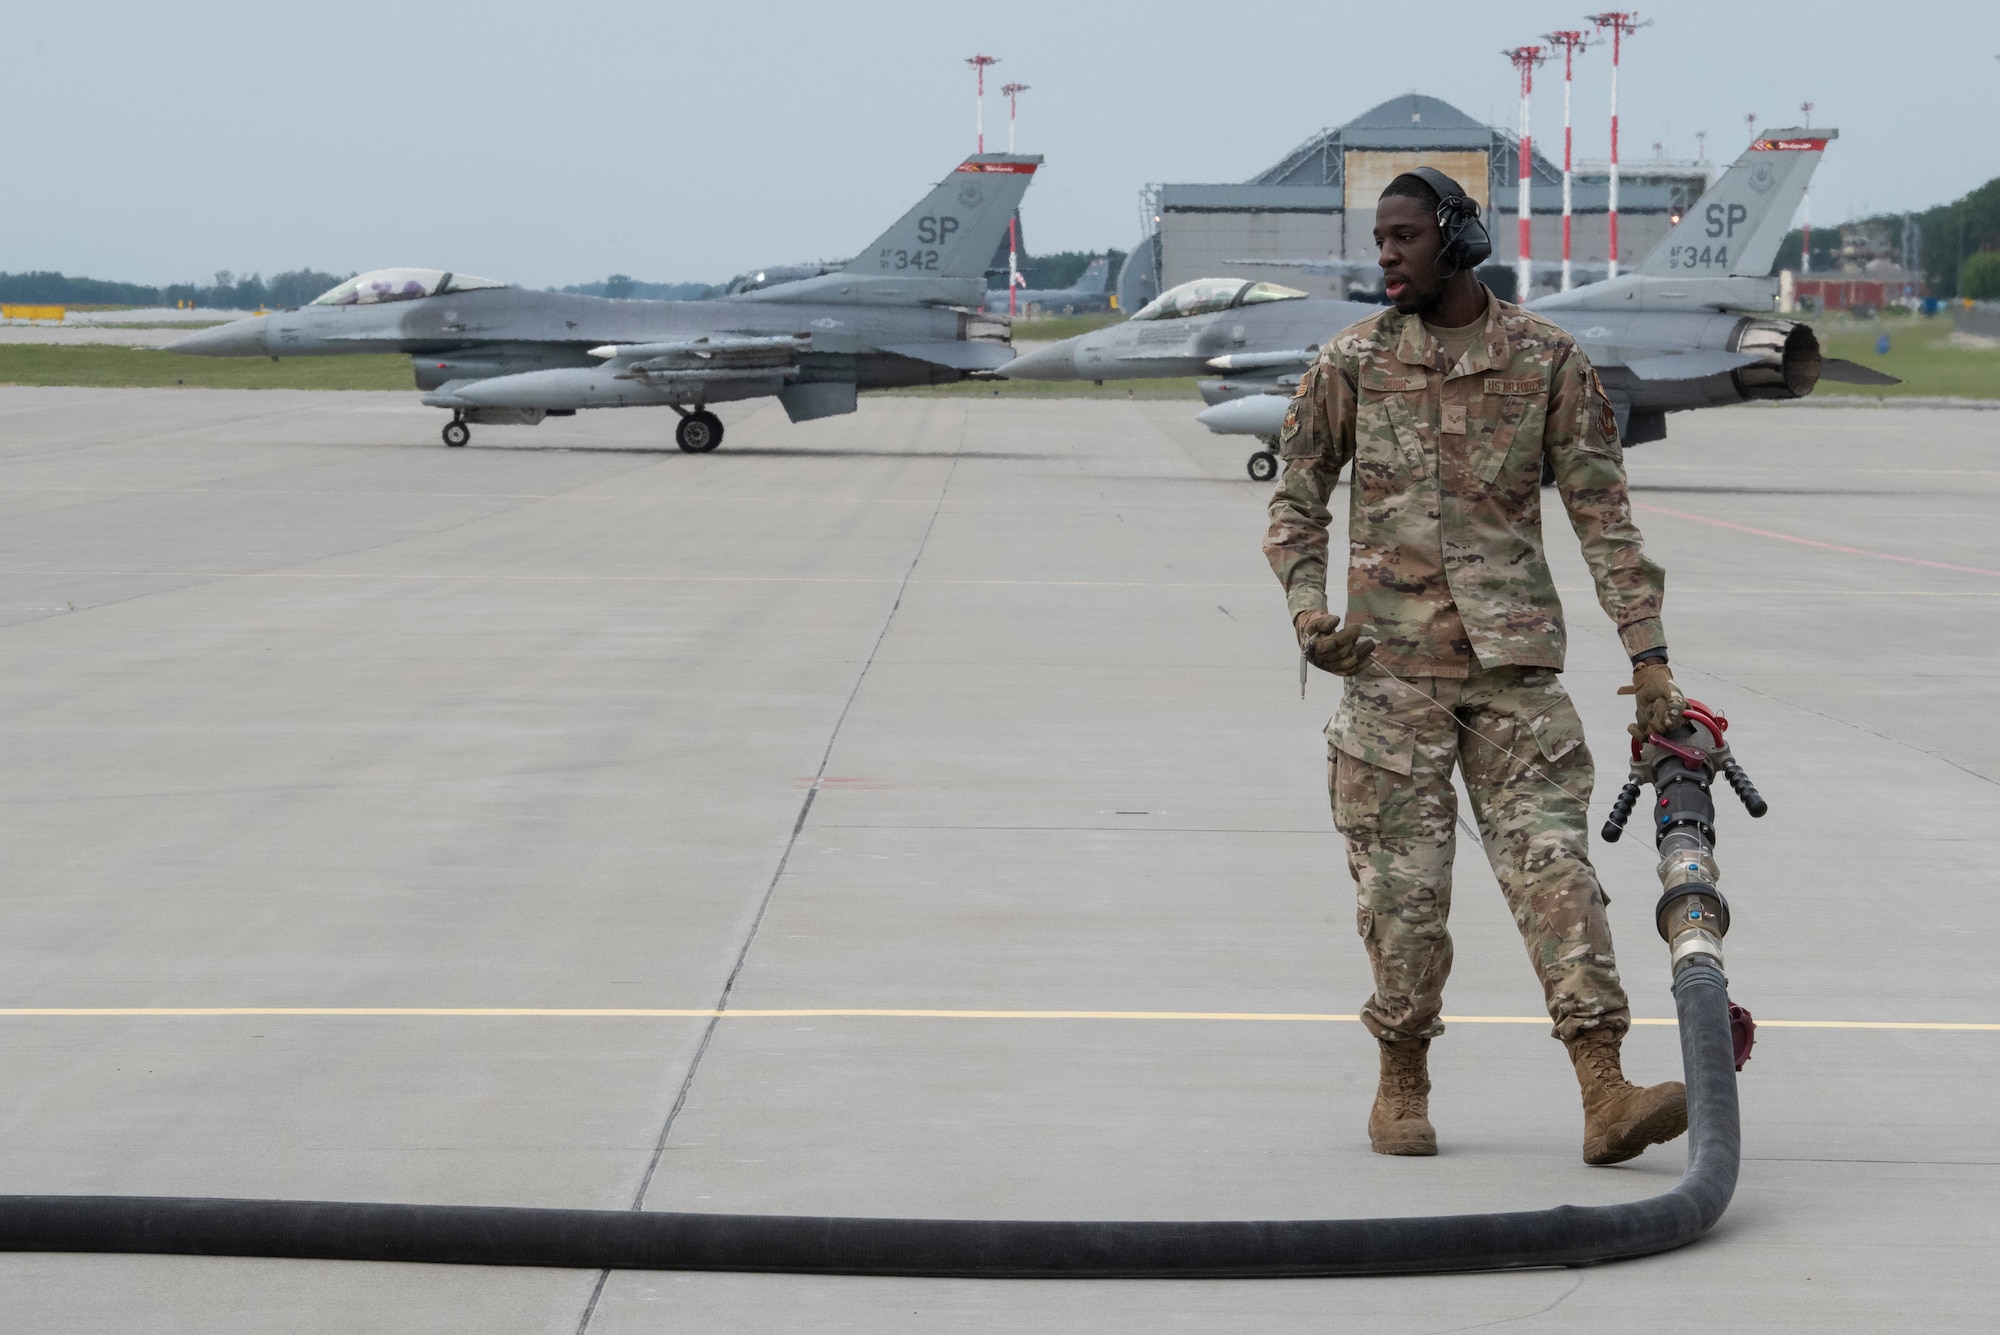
846,1012
1814,542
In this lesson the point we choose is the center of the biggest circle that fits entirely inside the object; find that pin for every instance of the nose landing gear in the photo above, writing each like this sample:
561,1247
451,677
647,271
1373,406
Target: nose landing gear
456,432
699,432
1263,465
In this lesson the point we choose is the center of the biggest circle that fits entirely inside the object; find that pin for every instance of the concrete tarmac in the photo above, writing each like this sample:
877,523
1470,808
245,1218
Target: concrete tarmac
950,706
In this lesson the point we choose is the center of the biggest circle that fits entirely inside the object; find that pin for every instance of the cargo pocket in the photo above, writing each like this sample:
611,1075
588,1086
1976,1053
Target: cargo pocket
1559,731
1372,757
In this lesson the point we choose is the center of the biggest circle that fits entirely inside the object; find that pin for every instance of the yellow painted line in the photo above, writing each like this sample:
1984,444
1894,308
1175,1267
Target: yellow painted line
491,577
846,1012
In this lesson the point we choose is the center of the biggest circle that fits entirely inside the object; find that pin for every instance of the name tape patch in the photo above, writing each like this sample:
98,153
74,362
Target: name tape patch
1500,385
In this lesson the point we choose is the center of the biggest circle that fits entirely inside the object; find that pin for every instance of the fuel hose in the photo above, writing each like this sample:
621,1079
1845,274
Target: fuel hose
1692,917
1568,1235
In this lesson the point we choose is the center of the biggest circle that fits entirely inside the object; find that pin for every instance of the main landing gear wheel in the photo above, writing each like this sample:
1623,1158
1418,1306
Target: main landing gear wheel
456,433
699,432
1263,466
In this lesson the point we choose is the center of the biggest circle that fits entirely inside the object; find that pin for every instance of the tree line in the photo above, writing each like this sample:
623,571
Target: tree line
227,292
1958,244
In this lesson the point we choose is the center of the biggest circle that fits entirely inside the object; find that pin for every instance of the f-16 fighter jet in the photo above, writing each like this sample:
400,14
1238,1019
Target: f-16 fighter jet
1090,292
1676,333
903,312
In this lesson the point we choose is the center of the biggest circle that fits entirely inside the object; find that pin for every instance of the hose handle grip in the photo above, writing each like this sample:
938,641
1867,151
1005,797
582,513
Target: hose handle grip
1621,811
1753,801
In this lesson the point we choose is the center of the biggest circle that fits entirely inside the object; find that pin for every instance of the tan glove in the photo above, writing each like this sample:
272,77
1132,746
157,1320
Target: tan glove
1660,702
1331,649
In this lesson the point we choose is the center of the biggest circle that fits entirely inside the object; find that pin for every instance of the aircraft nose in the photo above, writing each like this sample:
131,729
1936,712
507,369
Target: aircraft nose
1057,361
238,338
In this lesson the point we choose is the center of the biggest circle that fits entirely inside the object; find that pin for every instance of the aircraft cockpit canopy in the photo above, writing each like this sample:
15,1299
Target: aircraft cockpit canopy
1205,296
380,285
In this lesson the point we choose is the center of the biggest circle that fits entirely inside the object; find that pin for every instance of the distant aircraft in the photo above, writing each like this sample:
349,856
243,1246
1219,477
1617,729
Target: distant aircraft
1669,336
1090,292
903,312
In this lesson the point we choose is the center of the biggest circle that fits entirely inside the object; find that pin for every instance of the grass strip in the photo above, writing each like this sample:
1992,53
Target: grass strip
1921,351
113,366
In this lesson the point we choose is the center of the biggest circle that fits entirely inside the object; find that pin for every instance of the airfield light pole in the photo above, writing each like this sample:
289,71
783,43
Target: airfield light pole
1013,93
1525,59
979,64
1571,41
1620,22
1805,204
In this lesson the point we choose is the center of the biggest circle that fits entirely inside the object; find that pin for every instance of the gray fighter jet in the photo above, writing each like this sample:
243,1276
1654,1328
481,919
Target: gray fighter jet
1672,335
1090,292
903,312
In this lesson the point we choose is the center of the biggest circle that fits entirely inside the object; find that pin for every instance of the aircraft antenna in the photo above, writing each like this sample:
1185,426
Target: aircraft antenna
1569,41
1621,22
1525,58
979,64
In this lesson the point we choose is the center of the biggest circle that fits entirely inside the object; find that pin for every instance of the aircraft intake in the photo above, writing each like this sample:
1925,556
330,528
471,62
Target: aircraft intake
1788,358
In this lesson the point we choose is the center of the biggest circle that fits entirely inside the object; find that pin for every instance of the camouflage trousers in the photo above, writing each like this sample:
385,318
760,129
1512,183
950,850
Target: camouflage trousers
1389,768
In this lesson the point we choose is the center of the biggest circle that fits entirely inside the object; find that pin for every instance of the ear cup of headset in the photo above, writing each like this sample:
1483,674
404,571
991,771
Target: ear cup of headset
1469,245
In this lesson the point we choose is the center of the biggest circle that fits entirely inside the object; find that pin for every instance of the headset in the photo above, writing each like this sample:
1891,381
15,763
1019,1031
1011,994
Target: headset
1466,242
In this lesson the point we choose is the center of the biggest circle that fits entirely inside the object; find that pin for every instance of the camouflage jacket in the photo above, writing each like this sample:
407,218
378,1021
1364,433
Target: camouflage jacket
1445,562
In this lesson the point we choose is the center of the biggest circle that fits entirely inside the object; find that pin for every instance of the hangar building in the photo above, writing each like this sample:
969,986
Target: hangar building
1307,220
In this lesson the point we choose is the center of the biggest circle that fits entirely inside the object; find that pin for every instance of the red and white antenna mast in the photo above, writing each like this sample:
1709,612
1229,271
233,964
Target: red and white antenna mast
1013,92
979,64
1805,203
1620,22
1525,58
1569,41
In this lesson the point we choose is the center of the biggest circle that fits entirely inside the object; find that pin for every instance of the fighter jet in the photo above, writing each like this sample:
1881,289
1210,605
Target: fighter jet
1090,292
903,312
1674,334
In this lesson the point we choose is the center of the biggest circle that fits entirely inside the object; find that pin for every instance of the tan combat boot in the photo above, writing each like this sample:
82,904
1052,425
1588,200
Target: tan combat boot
1619,1118
1400,1123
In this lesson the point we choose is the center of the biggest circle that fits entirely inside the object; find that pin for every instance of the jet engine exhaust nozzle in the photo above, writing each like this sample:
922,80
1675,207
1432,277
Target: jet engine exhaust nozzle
1788,359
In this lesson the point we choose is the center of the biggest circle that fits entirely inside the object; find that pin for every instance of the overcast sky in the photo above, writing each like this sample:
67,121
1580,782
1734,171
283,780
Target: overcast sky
548,144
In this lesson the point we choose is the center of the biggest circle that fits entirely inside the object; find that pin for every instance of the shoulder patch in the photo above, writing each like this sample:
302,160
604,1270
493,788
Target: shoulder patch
1607,416
1291,427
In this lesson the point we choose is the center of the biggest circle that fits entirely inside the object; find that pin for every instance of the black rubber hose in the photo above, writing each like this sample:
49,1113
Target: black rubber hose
1568,1235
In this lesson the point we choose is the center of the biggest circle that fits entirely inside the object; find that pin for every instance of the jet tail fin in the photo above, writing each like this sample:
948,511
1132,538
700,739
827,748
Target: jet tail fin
1735,228
1096,278
954,230
937,253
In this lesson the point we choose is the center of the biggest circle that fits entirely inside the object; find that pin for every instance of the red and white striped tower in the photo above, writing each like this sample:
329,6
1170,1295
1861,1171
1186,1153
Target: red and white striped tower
1805,203
1013,92
1525,59
979,64
1571,41
1621,22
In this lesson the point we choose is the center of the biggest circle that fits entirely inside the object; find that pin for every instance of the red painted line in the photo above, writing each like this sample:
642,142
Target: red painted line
1814,542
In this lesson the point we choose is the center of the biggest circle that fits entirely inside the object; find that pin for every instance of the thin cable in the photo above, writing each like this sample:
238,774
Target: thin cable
1439,705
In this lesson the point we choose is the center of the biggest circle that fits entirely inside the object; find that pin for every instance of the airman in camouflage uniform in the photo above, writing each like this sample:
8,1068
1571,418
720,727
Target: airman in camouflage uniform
1447,576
